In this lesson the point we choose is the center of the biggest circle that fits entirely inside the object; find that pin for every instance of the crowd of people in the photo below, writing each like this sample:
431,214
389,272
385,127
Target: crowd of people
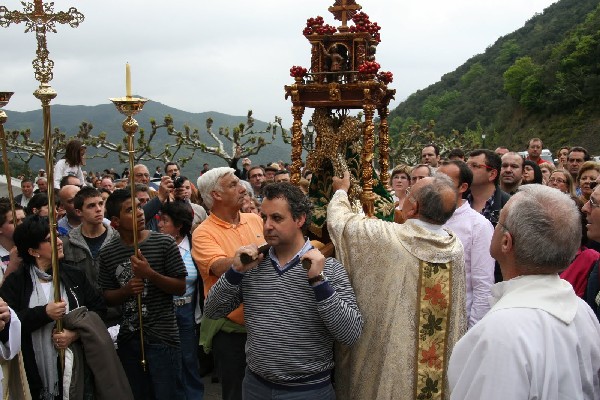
485,285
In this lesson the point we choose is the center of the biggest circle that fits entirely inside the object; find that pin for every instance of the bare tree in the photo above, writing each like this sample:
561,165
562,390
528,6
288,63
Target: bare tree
243,140
407,146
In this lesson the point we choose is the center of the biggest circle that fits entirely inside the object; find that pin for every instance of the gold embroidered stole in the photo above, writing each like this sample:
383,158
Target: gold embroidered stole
433,320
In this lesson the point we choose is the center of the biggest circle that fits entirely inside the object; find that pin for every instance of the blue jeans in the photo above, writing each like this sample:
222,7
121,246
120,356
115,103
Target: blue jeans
192,382
162,379
253,389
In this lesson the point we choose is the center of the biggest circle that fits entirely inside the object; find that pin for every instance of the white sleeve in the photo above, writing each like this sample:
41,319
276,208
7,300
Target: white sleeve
490,363
11,348
482,271
59,171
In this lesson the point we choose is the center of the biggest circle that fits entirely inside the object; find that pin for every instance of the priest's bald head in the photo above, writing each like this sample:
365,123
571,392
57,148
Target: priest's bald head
538,232
431,199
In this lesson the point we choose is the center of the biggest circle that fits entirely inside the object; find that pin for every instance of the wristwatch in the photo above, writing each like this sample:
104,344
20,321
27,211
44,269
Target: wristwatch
315,279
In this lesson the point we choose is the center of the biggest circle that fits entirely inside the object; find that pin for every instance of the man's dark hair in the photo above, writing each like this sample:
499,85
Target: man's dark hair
38,201
436,149
26,180
181,214
115,201
85,193
586,155
456,153
64,181
256,167
298,202
282,172
171,163
465,175
492,160
5,208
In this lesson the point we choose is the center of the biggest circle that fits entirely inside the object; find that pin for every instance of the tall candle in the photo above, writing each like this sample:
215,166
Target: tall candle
128,80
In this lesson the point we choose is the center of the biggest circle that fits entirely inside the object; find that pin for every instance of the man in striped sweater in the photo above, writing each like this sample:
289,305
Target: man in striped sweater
293,315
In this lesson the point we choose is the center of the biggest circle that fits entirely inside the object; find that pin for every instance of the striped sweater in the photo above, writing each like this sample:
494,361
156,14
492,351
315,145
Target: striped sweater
291,325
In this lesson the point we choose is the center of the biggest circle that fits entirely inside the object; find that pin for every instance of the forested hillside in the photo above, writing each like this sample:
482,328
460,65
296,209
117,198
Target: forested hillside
541,80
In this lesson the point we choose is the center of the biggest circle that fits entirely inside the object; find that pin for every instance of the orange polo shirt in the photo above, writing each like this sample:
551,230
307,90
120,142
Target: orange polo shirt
215,239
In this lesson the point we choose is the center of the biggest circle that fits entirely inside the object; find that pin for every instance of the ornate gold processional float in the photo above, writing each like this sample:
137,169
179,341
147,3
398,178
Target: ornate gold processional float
343,76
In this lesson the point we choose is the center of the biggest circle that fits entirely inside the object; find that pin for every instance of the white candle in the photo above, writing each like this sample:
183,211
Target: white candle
128,79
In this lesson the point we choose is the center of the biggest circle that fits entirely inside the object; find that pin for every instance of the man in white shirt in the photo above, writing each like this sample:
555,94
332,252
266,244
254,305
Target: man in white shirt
539,340
475,232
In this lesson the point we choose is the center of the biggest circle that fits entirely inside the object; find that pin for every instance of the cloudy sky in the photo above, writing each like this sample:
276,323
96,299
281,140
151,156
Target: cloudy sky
234,55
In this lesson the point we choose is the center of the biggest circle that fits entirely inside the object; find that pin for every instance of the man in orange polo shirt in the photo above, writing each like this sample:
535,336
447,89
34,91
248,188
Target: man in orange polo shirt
214,244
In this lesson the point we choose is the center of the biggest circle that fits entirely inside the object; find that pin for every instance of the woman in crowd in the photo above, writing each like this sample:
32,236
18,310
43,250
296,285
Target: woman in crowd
183,192
176,221
71,163
531,173
38,205
588,173
400,183
562,180
30,292
250,205
547,170
561,156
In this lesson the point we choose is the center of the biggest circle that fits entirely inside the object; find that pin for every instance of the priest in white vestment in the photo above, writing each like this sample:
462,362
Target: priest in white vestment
409,282
10,341
539,340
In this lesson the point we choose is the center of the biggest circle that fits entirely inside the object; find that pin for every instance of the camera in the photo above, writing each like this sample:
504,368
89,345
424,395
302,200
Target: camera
177,181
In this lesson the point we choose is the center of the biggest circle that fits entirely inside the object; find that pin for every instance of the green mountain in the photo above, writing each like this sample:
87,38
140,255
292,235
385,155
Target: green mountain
105,118
541,80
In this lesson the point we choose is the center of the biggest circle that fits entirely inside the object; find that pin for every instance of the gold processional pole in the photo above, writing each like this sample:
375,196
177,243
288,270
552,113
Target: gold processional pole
40,18
130,106
4,98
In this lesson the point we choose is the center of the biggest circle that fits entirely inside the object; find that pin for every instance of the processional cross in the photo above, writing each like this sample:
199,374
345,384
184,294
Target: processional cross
342,10
40,18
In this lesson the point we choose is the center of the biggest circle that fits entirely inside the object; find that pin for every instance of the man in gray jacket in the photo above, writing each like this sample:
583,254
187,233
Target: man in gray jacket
83,243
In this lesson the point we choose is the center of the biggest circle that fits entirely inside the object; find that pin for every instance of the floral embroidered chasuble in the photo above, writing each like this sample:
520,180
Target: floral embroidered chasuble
410,288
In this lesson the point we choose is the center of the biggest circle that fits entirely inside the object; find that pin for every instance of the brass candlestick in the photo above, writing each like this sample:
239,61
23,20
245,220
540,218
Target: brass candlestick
4,98
130,106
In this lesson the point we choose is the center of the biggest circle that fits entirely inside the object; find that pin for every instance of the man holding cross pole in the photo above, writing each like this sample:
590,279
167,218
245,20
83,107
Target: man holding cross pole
294,292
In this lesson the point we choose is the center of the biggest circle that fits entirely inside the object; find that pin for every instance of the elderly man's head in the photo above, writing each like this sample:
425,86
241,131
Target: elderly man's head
536,218
141,174
431,199
219,187
42,184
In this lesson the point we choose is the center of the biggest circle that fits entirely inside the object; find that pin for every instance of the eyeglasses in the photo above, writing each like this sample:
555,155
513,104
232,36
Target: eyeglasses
140,175
556,180
474,165
503,226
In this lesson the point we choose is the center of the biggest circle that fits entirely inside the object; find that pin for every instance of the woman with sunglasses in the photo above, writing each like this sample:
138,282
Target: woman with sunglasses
30,292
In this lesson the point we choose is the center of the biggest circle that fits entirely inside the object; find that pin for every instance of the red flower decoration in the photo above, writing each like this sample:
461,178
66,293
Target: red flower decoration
435,296
297,71
430,357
